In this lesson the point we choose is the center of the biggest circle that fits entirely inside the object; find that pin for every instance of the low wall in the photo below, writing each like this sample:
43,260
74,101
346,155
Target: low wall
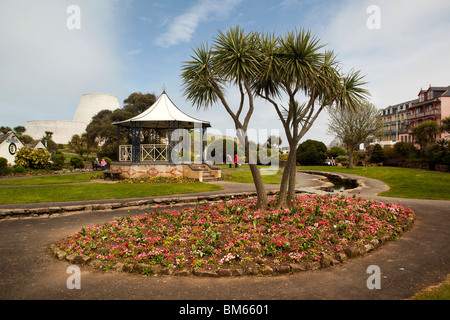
133,170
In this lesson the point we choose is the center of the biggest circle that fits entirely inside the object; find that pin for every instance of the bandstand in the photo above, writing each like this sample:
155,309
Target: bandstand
157,142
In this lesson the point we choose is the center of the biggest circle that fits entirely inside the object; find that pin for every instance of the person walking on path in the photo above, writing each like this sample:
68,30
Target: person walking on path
229,160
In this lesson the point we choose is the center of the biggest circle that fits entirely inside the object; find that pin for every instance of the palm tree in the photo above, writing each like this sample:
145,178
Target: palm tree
445,125
425,133
230,63
294,65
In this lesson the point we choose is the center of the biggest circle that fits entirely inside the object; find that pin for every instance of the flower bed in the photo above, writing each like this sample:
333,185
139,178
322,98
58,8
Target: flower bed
232,238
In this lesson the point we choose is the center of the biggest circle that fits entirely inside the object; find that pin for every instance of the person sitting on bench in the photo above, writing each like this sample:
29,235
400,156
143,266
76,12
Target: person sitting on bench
95,164
103,164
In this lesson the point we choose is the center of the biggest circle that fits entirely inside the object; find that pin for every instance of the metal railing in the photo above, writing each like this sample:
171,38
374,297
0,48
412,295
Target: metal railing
154,152
125,153
149,152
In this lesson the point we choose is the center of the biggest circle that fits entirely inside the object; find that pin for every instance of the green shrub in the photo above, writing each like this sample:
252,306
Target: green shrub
378,154
405,150
58,161
311,152
33,158
19,169
77,162
283,157
4,169
342,160
336,152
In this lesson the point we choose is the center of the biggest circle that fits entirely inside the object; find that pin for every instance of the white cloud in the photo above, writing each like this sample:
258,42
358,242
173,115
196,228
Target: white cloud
46,67
182,28
408,52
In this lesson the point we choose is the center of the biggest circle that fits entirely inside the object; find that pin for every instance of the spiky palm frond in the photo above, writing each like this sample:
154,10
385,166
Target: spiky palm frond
300,57
352,92
268,79
200,82
236,56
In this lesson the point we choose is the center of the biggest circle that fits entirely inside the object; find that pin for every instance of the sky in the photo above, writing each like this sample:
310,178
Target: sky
54,51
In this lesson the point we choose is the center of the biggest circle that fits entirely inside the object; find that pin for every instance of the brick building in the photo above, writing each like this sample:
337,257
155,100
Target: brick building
431,104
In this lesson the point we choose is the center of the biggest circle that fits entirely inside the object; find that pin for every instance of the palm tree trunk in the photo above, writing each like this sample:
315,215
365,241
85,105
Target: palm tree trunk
259,185
283,198
262,202
292,180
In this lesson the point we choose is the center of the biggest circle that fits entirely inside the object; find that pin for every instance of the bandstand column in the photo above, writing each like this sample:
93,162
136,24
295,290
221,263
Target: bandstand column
118,143
204,132
136,142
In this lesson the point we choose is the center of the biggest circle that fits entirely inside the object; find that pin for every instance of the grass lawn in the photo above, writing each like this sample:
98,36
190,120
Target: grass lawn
49,179
403,182
245,176
440,292
95,191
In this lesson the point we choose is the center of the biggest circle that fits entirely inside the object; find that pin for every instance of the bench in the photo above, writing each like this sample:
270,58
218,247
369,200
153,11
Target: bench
111,175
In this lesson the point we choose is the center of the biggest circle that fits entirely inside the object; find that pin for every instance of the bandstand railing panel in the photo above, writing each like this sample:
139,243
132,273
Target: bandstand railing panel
154,152
126,153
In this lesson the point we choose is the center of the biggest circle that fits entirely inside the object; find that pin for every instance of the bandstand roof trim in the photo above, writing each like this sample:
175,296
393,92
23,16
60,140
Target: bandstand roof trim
163,114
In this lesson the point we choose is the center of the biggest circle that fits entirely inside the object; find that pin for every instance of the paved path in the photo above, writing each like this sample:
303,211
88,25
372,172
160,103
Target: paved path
417,260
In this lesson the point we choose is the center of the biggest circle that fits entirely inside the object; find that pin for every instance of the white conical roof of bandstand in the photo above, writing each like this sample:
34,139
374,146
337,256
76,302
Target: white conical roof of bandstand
161,113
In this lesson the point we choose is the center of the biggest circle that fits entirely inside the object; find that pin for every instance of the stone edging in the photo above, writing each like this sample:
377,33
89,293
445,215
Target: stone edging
336,178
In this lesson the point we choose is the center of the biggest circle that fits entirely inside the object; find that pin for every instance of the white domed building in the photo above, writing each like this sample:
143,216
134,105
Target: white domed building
63,130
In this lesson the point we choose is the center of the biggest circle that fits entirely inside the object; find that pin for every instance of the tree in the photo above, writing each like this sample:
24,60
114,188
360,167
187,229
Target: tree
19,130
138,102
270,67
311,152
25,139
354,126
425,133
445,125
79,144
232,62
273,142
101,132
378,154
5,129
48,142
336,152
294,65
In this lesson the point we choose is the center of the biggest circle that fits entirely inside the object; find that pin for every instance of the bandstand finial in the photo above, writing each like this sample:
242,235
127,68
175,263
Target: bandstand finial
164,88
